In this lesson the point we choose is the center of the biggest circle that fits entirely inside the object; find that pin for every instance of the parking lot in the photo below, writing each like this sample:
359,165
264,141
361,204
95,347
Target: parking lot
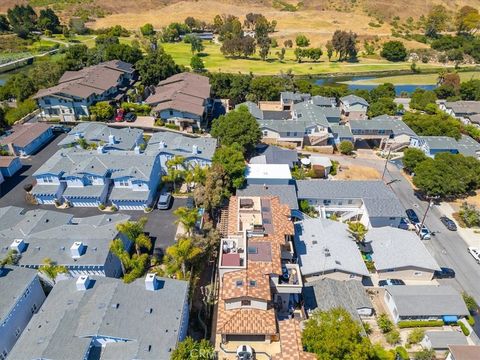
160,225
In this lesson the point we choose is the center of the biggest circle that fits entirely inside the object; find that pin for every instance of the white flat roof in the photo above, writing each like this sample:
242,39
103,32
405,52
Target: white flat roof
268,171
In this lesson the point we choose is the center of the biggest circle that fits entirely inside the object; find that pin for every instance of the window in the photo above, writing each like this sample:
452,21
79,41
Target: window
253,283
123,182
18,332
252,250
171,112
239,283
350,202
288,133
327,202
3,355
265,132
34,308
246,303
47,101
417,273
392,218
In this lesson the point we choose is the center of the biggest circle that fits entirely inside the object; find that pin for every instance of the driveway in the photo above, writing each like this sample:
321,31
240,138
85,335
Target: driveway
160,225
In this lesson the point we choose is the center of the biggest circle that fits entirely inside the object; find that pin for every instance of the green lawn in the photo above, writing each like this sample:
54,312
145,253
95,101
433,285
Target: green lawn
216,62
413,79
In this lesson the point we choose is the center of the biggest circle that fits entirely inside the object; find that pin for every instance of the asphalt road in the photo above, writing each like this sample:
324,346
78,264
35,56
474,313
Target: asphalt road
448,247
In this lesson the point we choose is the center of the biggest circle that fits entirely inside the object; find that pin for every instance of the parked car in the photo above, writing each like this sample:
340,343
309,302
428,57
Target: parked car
449,223
190,203
164,201
475,252
424,233
412,216
130,117
244,352
390,282
61,128
120,115
404,224
444,273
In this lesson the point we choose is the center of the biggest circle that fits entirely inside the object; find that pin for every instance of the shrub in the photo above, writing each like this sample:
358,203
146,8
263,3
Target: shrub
416,336
464,328
24,108
28,187
138,109
471,218
368,328
425,354
384,323
334,168
393,337
402,353
172,126
346,147
471,320
419,323
159,122
472,305
101,207
394,51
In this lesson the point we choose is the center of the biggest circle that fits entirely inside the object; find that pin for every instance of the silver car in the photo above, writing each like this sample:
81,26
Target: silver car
164,201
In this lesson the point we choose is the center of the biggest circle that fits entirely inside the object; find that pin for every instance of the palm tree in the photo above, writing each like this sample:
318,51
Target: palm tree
358,230
183,253
195,174
51,269
11,258
175,170
134,230
186,217
118,249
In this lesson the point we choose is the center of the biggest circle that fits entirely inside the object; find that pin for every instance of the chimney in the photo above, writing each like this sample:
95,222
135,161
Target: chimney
82,282
18,245
194,149
151,282
161,145
137,150
77,249
100,149
111,139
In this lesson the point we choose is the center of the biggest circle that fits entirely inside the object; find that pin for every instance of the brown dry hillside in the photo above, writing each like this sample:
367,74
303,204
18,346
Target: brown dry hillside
316,18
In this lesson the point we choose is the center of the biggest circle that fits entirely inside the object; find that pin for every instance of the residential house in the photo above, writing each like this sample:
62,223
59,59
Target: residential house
327,294
384,131
268,174
26,139
78,90
22,296
425,302
86,178
80,244
182,99
287,194
400,254
341,133
324,102
92,317
432,145
258,277
353,107
370,201
461,110
321,165
288,99
463,352
326,249
440,340
271,154
9,165
195,150
100,135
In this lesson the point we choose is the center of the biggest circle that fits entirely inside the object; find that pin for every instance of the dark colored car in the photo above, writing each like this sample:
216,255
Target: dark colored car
444,273
130,117
61,128
449,223
390,282
190,203
412,216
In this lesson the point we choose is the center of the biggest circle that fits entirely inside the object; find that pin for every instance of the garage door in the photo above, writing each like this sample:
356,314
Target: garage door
46,201
246,338
83,203
129,207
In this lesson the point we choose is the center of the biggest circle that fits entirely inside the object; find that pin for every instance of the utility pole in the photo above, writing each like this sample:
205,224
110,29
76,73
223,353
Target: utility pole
386,161
430,201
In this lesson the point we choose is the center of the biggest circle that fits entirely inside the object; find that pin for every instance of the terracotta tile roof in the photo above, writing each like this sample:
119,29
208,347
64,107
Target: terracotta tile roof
245,321
246,283
24,134
6,161
291,342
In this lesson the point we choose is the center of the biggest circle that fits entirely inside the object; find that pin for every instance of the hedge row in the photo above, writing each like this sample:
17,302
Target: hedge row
419,323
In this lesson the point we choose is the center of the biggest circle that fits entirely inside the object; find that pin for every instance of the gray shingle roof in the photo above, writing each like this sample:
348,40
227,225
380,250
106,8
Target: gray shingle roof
395,248
253,108
464,107
293,96
52,233
382,122
13,282
306,111
465,146
440,339
324,245
377,197
286,193
427,300
77,162
353,99
125,138
275,155
326,294
323,101
149,320
178,144
283,126
342,131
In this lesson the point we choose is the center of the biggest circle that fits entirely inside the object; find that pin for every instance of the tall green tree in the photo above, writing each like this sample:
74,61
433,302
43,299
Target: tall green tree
180,256
48,20
19,86
383,106
22,19
175,170
394,51
4,24
412,157
157,65
102,111
50,269
187,217
191,349
232,160
344,44
438,124
334,335
437,21
358,230
215,190
467,20
196,63
237,126
134,231
147,30
302,41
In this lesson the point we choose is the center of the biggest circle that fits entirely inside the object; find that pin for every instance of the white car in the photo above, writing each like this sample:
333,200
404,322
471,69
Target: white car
475,252
424,233
244,352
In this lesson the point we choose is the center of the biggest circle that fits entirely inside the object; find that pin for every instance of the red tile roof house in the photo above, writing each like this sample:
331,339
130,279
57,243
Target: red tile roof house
78,90
26,139
182,99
